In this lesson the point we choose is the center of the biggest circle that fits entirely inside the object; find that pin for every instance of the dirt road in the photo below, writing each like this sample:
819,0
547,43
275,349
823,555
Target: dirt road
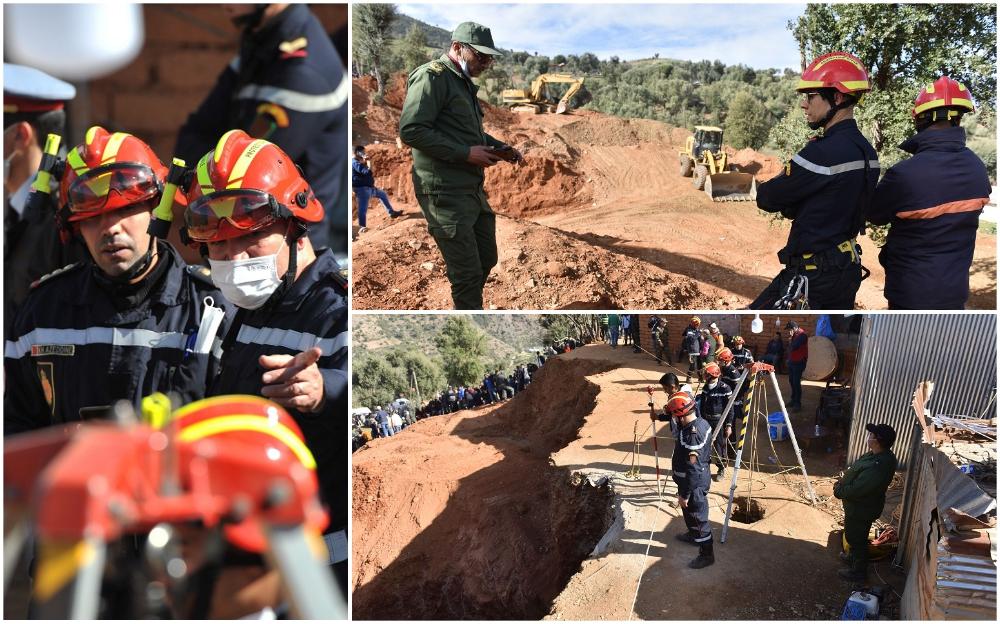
630,232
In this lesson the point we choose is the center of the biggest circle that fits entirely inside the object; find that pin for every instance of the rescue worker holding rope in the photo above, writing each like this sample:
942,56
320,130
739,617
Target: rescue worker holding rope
825,191
690,468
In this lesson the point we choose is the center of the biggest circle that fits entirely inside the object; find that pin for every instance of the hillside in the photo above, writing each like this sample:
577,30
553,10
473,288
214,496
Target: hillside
597,217
508,334
437,38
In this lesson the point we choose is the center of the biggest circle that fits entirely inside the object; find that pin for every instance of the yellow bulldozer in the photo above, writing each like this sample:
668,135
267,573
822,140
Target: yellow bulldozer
704,160
542,97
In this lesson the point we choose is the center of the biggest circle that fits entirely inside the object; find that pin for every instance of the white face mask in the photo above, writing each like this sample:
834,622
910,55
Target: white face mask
713,383
465,67
247,283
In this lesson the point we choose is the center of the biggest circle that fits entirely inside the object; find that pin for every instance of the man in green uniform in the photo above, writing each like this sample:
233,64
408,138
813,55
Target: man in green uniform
862,489
443,122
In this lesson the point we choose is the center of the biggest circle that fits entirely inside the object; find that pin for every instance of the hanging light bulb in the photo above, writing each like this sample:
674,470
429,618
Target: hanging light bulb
757,325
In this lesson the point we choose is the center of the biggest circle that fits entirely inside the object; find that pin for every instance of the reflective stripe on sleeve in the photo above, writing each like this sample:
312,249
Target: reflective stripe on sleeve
142,338
854,165
291,339
296,100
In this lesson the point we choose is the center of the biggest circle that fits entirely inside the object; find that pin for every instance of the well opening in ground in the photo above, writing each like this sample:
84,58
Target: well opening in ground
748,511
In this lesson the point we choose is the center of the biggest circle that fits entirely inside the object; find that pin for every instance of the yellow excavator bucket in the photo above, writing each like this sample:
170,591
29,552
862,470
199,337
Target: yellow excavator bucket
731,186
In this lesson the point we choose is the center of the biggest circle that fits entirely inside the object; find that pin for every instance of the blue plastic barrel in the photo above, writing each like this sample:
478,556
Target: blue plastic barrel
776,426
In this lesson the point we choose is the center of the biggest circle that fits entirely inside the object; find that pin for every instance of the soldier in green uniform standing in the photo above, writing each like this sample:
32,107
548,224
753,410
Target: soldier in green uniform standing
443,122
862,489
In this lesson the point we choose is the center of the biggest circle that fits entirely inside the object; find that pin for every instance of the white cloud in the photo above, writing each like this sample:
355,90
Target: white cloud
752,34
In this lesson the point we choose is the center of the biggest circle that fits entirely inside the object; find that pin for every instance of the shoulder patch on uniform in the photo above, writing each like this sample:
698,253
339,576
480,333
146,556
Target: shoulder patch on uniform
436,67
296,48
201,273
49,276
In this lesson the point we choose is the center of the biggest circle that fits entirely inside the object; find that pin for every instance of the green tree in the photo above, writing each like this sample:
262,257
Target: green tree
429,373
463,351
371,29
375,382
903,46
790,133
747,122
413,48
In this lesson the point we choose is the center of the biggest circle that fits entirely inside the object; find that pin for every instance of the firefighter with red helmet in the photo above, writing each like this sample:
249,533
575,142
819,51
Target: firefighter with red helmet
933,200
248,211
691,341
712,401
824,190
690,468
130,321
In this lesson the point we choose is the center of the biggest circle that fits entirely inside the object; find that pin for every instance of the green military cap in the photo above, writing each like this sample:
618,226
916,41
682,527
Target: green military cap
477,36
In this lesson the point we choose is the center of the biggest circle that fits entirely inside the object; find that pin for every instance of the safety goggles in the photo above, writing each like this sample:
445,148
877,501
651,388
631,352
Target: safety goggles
246,210
112,186
808,95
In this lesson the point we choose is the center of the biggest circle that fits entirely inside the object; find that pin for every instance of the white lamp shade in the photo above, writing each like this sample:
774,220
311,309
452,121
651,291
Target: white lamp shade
75,42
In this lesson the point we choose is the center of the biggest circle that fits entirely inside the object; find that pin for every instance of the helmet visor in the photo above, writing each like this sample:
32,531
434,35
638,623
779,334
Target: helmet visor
230,213
110,187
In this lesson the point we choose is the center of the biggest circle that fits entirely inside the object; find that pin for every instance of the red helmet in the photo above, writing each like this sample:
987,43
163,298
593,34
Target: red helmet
244,185
944,93
836,70
679,404
712,370
725,355
253,425
109,172
695,321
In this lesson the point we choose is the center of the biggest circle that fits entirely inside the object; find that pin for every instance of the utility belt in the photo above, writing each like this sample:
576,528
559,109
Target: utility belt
847,252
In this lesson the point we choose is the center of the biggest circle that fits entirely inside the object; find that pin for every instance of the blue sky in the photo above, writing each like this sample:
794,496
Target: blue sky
752,34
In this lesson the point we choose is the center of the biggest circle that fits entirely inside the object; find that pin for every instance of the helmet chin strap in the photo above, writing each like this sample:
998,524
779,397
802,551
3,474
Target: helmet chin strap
834,107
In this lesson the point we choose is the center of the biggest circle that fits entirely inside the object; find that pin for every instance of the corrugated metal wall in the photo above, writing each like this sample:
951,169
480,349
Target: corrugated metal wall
955,351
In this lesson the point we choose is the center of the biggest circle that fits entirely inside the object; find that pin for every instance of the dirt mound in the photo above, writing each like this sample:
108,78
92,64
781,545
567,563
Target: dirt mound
761,166
540,268
608,131
464,517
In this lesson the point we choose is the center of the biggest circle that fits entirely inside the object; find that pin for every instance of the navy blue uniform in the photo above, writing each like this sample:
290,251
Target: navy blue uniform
713,402
823,191
692,479
742,357
79,342
289,75
31,249
311,313
933,201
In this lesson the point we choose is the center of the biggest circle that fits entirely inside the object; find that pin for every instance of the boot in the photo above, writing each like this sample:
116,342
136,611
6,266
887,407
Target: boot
687,538
705,558
856,573
719,475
